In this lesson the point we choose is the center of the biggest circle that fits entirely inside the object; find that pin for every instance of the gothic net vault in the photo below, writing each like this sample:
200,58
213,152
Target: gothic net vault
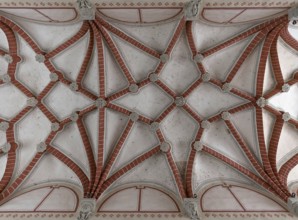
148,110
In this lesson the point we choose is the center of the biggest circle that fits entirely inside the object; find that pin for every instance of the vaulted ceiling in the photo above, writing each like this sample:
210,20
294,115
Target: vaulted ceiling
141,108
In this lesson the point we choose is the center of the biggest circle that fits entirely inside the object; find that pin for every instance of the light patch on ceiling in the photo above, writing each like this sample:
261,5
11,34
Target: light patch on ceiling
91,123
246,75
140,140
208,35
218,137
202,103
12,101
59,173
208,169
180,71
63,102
153,170
70,61
69,141
179,129
155,36
139,63
32,130
245,124
220,63
91,79
33,74
115,124
287,59
150,101
115,79
287,101
3,162
3,66
287,145
3,41
49,36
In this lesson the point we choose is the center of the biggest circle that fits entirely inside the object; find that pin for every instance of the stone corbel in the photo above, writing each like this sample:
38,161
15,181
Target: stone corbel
87,209
86,10
192,9
293,13
191,208
293,205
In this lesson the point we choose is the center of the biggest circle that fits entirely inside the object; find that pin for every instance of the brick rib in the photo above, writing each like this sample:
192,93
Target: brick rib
176,36
287,37
88,150
275,136
165,113
275,62
113,156
286,168
128,167
263,58
87,59
248,50
262,146
190,40
253,160
12,188
22,33
189,166
101,60
193,86
101,142
245,172
9,169
192,113
166,89
116,54
83,30
269,24
176,173
72,165
127,38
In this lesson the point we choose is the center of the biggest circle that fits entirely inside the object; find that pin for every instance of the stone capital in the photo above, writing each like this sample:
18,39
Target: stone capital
190,206
85,9
87,208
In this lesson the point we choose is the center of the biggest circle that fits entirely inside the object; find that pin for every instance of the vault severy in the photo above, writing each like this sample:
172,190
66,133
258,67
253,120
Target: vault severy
112,139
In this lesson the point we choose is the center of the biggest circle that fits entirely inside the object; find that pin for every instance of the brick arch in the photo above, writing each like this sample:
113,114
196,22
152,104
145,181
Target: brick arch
138,191
36,10
104,12
46,193
240,202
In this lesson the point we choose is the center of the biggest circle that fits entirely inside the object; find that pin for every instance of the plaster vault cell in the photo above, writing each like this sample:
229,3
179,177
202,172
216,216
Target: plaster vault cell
103,98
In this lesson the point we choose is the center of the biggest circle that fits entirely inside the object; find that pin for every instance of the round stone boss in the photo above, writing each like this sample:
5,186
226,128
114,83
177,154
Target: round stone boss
165,147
